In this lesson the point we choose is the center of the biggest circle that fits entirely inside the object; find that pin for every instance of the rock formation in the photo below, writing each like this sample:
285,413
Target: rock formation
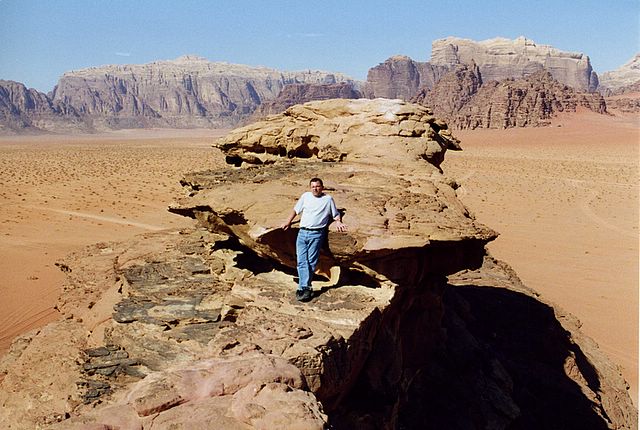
464,101
625,79
500,58
23,109
621,87
400,77
417,327
294,94
186,92
496,83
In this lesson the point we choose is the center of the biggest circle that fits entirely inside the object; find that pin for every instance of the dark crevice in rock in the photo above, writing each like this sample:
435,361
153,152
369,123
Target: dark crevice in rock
189,212
468,357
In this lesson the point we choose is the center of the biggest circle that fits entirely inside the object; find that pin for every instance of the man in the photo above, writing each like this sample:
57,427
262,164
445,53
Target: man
318,211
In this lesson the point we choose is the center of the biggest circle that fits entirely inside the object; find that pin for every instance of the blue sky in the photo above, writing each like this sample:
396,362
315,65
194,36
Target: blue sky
40,40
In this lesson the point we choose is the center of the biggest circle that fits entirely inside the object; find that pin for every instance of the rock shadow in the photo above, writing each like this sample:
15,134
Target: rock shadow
505,353
499,361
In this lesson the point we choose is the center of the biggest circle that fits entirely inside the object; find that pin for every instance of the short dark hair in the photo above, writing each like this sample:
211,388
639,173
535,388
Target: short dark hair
316,180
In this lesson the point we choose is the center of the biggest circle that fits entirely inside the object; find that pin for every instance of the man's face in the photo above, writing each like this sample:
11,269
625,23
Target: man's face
316,188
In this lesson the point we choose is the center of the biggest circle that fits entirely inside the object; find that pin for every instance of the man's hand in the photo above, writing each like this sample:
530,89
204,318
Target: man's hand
289,220
340,226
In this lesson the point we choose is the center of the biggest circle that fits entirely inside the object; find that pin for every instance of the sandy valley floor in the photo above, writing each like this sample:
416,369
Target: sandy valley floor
565,200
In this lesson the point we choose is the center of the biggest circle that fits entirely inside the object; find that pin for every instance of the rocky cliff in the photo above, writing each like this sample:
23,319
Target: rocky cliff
495,59
625,79
400,77
186,92
464,101
500,58
25,109
412,325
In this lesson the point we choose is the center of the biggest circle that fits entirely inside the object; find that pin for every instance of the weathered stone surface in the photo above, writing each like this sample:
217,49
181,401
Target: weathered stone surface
355,145
625,79
208,314
465,101
186,92
28,110
500,58
400,77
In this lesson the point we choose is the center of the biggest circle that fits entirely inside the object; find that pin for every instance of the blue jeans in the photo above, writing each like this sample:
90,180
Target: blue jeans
308,245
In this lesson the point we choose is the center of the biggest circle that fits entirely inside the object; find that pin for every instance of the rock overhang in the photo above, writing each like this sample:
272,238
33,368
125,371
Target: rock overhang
380,160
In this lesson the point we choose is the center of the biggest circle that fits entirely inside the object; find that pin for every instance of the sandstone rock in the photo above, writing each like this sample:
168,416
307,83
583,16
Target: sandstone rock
400,77
625,79
186,92
500,58
29,110
421,329
465,101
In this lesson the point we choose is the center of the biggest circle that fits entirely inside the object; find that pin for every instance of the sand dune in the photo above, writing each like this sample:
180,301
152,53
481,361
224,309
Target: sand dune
564,198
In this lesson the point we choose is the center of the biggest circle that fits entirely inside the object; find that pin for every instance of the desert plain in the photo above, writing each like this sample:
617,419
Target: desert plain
564,199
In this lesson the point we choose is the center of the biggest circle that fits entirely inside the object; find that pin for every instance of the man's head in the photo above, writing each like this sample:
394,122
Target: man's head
316,186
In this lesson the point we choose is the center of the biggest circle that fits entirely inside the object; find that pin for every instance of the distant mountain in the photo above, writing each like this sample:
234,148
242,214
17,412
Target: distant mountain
625,79
464,101
496,59
194,92
183,93
293,94
28,110
186,92
501,58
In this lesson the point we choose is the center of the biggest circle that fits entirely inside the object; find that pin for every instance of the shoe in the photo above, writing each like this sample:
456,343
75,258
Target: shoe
304,295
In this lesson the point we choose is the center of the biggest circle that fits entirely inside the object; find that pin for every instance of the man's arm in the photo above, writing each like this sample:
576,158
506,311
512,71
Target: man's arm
289,220
339,225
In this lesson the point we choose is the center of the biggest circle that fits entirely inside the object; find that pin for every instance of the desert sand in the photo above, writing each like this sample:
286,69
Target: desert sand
565,201
564,198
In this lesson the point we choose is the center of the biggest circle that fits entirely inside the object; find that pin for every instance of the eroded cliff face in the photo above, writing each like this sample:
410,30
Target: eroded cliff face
412,325
501,58
625,79
186,92
25,109
400,77
465,101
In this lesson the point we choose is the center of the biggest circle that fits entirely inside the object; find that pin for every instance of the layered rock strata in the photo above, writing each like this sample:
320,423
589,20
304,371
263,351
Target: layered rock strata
25,109
400,77
625,79
421,329
464,101
500,58
495,60
186,92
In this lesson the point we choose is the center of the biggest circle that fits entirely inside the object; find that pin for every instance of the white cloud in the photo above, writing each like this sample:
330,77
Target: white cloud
123,54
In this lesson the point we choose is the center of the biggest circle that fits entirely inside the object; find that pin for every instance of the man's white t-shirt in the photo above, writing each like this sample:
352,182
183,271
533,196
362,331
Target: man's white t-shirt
317,212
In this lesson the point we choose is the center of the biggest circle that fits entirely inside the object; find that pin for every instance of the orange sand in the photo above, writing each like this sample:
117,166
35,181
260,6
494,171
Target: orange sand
59,193
565,200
